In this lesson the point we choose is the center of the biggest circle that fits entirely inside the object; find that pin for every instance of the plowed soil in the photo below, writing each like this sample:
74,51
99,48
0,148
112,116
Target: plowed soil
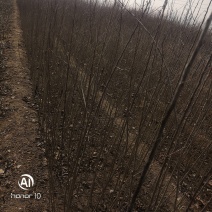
20,152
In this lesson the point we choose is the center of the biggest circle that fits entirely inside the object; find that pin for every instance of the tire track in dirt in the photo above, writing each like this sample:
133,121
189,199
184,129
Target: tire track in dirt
19,140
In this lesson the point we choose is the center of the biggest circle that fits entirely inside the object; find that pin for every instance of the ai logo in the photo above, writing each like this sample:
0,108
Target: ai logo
26,181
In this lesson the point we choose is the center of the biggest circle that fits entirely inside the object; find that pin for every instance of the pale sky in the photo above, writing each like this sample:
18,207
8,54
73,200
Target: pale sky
178,6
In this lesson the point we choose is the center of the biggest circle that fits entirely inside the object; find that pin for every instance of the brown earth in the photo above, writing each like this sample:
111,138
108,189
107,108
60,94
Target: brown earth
20,149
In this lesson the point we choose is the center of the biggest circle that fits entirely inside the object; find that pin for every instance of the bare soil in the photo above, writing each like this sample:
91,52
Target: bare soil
20,152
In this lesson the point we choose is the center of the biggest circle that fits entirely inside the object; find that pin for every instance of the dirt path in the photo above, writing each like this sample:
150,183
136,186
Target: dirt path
20,152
